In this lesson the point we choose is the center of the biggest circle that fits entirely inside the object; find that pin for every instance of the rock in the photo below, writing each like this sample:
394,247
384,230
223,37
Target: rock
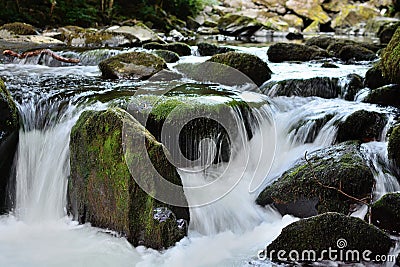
137,32
351,15
375,25
329,65
168,56
331,232
180,48
207,30
361,125
390,59
356,53
19,28
281,52
137,65
310,9
340,166
386,33
324,87
320,41
306,131
104,192
334,6
374,78
9,127
313,27
294,36
176,35
236,25
276,23
385,213
276,6
388,95
353,84
394,145
252,66
334,45
207,49
293,21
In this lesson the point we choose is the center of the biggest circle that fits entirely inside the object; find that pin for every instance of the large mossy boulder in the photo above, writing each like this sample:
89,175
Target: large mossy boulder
394,145
385,213
310,9
207,49
238,25
168,56
356,53
281,52
374,77
135,65
331,232
303,190
9,126
181,49
252,66
388,95
19,28
351,15
390,63
361,125
106,163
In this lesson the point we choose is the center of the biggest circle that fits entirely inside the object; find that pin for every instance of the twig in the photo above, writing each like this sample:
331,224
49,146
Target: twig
40,52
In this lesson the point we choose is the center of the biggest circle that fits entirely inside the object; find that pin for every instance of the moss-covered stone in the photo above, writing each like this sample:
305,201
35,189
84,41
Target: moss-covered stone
390,63
281,52
387,31
252,66
385,213
334,45
9,126
353,85
168,56
103,190
374,77
323,232
310,9
388,95
394,145
19,28
341,166
361,125
137,65
181,49
329,65
351,15
356,53
207,49
238,25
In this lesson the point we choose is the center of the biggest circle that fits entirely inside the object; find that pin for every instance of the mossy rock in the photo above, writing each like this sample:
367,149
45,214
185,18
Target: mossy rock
136,65
388,95
302,192
362,125
238,25
207,49
104,191
385,213
307,129
329,65
394,145
324,232
390,63
320,41
310,9
281,52
9,126
181,49
354,83
19,28
356,53
386,33
374,77
252,66
351,15
324,87
168,56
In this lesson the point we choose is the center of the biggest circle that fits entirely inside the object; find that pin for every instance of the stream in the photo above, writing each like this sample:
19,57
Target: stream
228,232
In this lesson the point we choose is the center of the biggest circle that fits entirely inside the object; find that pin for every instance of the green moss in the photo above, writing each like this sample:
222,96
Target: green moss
390,63
19,28
394,145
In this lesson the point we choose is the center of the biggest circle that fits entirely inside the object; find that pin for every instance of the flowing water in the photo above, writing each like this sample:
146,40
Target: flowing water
225,232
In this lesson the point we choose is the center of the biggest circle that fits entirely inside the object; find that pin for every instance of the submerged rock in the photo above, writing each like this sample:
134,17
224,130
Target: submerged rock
281,52
390,59
9,126
180,48
105,168
330,232
207,49
19,28
361,125
237,25
385,213
340,166
137,65
388,95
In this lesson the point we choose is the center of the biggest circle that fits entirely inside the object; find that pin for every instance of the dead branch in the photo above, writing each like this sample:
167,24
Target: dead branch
40,52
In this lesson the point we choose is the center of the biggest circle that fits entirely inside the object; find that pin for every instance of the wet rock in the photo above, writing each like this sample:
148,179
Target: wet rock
388,95
180,48
9,126
353,84
329,65
340,166
324,87
352,15
386,33
294,36
168,56
376,25
390,59
281,52
361,125
356,53
137,65
207,49
334,45
252,66
237,25
314,27
374,78
320,41
104,191
385,213
19,28
139,31
394,145
328,232
310,9
306,131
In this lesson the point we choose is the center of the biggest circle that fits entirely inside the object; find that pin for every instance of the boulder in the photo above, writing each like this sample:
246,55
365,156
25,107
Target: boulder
320,41
310,9
19,28
103,188
168,56
314,27
334,45
329,65
340,166
390,59
293,21
281,52
376,25
9,127
356,53
252,66
136,65
386,33
294,36
388,95
140,32
207,49
276,6
361,125
351,15
180,48
332,232
353,84
385,213
334,6
237,25
374,78
394,145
